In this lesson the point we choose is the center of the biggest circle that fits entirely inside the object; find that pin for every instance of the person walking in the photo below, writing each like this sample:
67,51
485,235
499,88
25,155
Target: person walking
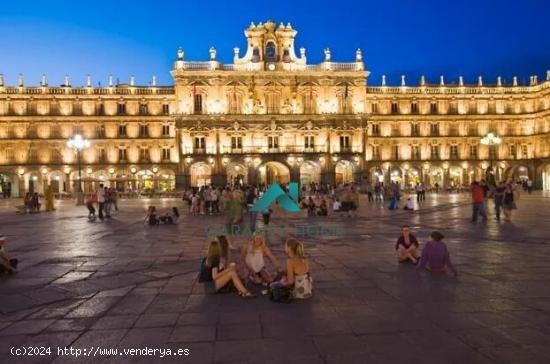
478,202
100,200
498,196
508,202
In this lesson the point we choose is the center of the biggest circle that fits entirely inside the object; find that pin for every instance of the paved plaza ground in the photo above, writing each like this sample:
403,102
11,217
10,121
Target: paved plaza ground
123,284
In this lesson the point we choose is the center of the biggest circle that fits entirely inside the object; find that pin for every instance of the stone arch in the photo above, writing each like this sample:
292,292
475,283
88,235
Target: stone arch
201,174
237,174
9,184
272,171
376,174
518,172
343,171
56,180
310,171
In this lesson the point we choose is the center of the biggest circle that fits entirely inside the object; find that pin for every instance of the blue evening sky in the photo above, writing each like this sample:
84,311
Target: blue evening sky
462,37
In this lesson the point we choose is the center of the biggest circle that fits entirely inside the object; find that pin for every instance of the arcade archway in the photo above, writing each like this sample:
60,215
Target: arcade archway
343,172
201,174
237,174
310,172
272,172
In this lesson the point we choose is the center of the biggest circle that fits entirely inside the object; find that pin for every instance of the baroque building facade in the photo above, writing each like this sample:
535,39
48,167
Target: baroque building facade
270,116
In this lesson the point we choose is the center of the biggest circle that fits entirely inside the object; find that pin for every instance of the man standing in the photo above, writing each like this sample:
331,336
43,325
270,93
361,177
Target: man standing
101,200
478,202
250,201
499,196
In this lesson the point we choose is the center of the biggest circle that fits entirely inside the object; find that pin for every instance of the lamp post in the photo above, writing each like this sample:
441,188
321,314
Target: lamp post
78,143
492,141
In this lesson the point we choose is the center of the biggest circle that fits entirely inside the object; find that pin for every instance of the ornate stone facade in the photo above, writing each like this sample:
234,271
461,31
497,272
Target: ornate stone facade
268,117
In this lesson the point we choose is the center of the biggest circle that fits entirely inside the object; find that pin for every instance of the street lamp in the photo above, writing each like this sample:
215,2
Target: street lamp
492,141
78,143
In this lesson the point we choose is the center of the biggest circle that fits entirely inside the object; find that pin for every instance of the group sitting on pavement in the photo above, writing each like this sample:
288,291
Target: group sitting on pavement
293,283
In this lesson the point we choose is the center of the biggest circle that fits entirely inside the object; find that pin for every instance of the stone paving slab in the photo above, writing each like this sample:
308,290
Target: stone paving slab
123,284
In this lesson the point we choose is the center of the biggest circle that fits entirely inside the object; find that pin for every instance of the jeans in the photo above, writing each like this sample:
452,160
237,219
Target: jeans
498,206
252,216
478,208
101,207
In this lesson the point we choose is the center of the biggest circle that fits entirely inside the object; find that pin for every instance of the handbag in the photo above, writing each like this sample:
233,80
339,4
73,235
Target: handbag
280,294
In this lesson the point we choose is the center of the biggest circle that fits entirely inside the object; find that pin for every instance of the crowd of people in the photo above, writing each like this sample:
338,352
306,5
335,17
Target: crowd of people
503,194
105,199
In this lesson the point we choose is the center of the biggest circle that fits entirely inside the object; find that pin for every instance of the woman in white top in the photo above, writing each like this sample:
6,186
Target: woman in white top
252,261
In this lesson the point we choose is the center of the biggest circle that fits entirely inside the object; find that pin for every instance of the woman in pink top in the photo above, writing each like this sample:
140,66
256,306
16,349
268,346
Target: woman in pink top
435,255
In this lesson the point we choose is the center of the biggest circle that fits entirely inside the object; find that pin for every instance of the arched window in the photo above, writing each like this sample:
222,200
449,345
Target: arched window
270,52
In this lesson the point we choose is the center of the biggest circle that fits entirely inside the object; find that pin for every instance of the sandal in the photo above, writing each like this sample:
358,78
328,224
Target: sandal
247,294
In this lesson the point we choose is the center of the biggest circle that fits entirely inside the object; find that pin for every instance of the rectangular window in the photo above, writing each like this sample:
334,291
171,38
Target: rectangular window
513,153
166,130
415,152
414,108
166,154
375,129
395,152
100,132
200,142
143,109
415,129
143,130
434,152
273,142
197,104
309,141
121,109
234,103
144,154
375,152
122,155
473,151
122,130
454,152
433,108
344,142
101,155
236,142
524,151
394,107
434,129
101,109
165,109
375,108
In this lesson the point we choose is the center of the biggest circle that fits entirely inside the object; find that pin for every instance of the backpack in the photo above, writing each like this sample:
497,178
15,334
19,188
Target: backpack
280,294
205,273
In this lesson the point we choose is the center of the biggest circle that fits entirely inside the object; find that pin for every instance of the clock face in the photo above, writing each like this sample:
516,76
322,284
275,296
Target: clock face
271,67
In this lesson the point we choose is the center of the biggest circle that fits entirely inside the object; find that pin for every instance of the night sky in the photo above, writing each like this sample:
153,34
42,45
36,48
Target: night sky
469,38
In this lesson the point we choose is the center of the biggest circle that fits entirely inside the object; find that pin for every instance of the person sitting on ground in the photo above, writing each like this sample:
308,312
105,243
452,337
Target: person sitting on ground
6,264
253,264
407,246
151,216
435,255
297,277
169,217
225,278
409,205
323,209
225,250
90,202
